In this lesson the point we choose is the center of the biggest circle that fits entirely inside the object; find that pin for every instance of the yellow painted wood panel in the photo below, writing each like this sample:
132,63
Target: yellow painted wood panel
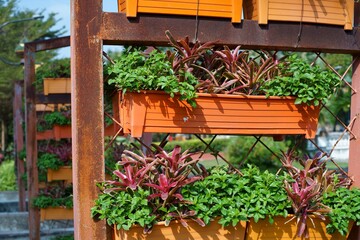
57,85
212,8
335,12
56,213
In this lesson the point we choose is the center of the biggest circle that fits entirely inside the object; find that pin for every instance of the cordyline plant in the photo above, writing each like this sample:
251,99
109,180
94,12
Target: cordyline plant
148,189
308,186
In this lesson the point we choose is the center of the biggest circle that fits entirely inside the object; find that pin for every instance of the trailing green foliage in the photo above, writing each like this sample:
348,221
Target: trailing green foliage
345,206
310,84
236,198
135,71
7,176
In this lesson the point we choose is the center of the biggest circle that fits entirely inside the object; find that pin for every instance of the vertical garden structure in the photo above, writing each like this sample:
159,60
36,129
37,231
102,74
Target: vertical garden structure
92,28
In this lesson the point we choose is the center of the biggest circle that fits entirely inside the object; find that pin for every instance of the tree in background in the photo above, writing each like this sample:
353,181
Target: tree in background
10,37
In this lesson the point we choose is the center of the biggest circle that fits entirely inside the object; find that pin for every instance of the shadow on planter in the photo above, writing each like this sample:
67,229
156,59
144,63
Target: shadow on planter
281,229
175,231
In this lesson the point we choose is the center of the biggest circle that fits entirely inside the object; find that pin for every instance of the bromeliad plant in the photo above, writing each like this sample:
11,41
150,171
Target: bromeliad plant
307,188
148,189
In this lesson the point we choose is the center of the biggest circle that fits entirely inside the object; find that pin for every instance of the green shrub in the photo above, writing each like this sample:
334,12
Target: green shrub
219,144
7,176
261,157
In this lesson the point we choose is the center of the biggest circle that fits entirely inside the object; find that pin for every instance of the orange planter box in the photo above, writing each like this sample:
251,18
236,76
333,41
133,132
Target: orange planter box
281,229
64,131
58,132
57,85
154,111
175,230
335,12
63,173
209,8
56,213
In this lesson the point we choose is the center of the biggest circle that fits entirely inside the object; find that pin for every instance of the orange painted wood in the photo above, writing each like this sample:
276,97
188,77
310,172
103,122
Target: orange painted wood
57,85
47,134
56,213
175,231
286,231
336,12
210,8
154,111
64,131
63,173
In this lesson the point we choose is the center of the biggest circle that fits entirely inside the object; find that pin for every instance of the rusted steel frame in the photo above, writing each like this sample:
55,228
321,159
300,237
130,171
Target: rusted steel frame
19,143
50,44
354,164
31,143
224,159
87,116
249,34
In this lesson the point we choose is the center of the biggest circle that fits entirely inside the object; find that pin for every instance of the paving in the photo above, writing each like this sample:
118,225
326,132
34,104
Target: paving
14,224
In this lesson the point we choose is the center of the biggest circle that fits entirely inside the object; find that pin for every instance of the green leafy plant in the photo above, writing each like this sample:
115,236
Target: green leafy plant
136,70
345,207
54,118
234,198
58,68
310,84
54,196
49,161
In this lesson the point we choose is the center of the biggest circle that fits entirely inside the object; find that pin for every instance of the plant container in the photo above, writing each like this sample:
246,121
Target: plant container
57,85
155,111
63,173
335,12
176,231
56,213
208,8
284,230
47,134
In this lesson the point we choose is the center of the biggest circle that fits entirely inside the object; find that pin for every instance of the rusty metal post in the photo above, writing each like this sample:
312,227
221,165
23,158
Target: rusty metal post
87,115
354,151
31,144
19,143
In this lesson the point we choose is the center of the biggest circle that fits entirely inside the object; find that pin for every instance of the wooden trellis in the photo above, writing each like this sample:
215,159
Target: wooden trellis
92,28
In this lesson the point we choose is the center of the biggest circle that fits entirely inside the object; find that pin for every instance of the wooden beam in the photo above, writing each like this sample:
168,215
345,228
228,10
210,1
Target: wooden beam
87,115
117,29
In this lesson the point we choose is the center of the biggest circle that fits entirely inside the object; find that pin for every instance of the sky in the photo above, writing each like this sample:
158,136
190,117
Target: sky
62,8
